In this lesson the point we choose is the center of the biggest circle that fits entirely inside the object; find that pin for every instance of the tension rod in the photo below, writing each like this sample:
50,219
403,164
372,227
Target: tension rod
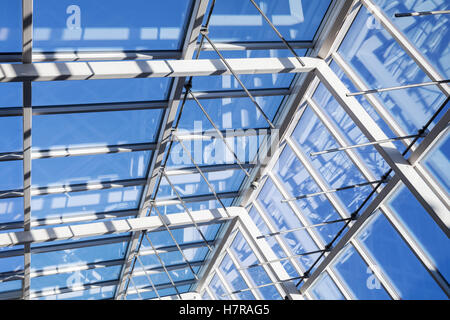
268,235
278,33
313,154
204,32
421,13
406,86
334,190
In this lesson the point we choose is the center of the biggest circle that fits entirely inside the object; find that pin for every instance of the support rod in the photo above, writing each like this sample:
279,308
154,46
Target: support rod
277,32
421,13
414,85
334,190
313,154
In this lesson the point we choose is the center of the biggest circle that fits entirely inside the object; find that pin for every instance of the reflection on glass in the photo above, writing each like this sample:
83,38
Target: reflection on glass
75,279
193,184
236,20
234,279
336,168
228,113
381,63
423,228
430,33
257,275
85,202
11,210
283,218
99,129
359,278
342,120
217,288
62,25
89,169
91,294
326,289
78,256
10,26
99,91
297,182
398,263
10,285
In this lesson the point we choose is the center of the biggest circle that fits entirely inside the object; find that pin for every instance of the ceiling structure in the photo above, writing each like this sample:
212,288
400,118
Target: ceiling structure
224,149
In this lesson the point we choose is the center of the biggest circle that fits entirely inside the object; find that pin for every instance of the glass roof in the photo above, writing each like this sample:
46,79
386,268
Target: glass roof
176,148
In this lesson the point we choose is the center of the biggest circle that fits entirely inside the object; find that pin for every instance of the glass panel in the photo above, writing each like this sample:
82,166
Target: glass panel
91,294
11,210
193,184
257,275
423,228
326,289
234,279
237,113
11,264
397,261
99,91
78,256
240,21
174,257
72,203
10,26
10,92
88,129
348,128
297,182
75,279
358,277
215,151
429,33
161,278
283,218
272,242
10,285
194,206
11,175
381,62
11,134
181,235
89,169
206,296
437,161
60,25
217,288
336,168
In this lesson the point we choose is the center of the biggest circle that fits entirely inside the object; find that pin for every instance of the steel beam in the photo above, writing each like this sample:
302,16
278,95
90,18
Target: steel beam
409,176
48,71
149,224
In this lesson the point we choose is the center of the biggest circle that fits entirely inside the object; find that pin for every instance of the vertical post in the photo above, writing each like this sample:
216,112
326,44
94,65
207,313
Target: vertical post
27,47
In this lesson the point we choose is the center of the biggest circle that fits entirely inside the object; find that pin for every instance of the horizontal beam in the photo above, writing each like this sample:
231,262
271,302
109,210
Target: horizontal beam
79,151
150,224
92,56
172,248
49,71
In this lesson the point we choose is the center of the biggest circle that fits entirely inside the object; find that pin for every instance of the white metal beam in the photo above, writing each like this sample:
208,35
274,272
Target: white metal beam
48,71
150,224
